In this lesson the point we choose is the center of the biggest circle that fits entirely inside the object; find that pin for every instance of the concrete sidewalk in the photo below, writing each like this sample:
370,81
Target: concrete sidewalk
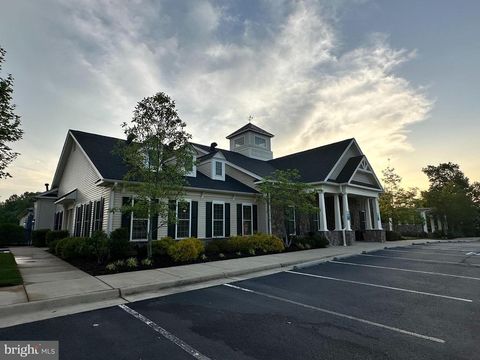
53,287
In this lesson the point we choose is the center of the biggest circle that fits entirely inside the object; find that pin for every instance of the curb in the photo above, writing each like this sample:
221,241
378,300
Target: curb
54,304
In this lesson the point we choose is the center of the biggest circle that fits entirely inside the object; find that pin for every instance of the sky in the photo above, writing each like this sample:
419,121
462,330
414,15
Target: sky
400,76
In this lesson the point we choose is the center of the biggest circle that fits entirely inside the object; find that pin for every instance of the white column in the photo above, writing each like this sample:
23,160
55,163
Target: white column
338,216
323,213
346,213
439,224
390,224
378,219
424,217
432,223
368,214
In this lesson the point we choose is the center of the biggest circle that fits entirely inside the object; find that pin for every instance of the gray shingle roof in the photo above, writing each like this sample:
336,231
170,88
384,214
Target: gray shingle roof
314,165
249,127
100,150
349,168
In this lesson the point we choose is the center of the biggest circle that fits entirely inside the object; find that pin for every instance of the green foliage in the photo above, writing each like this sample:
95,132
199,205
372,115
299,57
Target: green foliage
56,235
217,246
97,246
39,237
158,155
257,243
12,207
52,246
111,267
309,241
147,262
186,250
119,244
284,190
160,247
398,203
132,263
392,236
73,247
451,196
11,234
9,274
10,130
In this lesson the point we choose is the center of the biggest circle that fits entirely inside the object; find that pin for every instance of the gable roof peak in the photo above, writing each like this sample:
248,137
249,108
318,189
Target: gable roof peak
252,128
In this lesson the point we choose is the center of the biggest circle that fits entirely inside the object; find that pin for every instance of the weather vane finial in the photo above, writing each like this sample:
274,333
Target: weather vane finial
250,118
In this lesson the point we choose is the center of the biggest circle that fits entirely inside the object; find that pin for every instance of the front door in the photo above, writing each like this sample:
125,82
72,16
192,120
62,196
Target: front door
363,220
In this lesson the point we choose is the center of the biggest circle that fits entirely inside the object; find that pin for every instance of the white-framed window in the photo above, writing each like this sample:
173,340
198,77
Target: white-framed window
138,227
218,218
247,219
239,141
291,221
316,220
260,142
218,170
184,219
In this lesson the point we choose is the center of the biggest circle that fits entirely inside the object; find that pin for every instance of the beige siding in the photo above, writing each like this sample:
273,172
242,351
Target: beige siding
43,213
202,198
240,176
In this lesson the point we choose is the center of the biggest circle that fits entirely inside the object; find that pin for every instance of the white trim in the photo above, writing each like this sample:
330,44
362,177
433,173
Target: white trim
368,172
255,136
238,138
214,174
215,202
189,221
131,224
338,160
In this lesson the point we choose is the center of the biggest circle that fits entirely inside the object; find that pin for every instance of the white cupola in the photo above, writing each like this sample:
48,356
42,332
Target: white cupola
252,141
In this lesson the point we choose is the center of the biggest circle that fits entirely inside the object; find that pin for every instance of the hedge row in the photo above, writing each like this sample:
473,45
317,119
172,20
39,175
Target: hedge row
12,234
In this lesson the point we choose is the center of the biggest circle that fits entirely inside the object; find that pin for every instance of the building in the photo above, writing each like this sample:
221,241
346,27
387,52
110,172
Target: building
221,198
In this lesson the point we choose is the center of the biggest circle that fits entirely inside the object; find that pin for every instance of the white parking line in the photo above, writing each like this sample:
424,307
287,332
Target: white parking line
345,316
425,252
167,335
379,286
422,260
407,270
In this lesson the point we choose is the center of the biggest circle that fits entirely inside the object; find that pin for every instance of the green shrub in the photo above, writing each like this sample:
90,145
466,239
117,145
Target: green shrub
12,234
147,262
132,263
119,244
160,247
72,248
186,250
111,267
255,243
217,246
52,245
310,240
97,246
392,236
55,235
39,237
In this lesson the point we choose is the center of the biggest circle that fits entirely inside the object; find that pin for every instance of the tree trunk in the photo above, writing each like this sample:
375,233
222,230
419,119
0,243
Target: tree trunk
149,239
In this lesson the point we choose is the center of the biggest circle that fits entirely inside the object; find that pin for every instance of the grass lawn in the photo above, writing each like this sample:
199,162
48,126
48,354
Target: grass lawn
9,274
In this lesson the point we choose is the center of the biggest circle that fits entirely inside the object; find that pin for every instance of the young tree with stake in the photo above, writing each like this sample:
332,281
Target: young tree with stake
158,155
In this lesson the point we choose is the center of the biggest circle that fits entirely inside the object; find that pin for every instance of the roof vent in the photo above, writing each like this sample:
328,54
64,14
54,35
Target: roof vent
46,186
213,145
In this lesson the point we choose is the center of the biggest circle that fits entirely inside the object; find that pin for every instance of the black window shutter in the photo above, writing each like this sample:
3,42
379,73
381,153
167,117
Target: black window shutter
239,219
102,210
194,224
126,216
227,220
154,225
255,220
208,224
172,206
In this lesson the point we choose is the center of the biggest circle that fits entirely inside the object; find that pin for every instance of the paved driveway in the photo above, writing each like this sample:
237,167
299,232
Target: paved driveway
416,302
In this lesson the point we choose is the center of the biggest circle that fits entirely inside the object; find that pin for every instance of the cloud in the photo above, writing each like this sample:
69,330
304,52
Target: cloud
280,61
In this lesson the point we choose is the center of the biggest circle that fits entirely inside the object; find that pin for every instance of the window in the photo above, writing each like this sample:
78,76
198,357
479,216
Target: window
139,227
316,220
58,221
98,209
218,168
247,220
87,219
218,219
239,141
291,224
183,219
261,142
78,220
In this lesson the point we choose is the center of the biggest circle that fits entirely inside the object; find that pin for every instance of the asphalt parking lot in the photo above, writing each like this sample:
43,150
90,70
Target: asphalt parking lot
416,302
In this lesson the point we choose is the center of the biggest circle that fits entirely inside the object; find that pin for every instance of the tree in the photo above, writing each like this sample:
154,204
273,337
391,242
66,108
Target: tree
14,206
283,191
158,155
398,203
10,130
450,195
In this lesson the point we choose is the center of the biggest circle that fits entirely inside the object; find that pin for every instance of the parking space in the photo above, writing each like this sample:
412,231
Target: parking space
417,302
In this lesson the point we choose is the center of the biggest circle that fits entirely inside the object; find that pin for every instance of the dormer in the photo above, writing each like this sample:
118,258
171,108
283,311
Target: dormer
252,141
213,165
